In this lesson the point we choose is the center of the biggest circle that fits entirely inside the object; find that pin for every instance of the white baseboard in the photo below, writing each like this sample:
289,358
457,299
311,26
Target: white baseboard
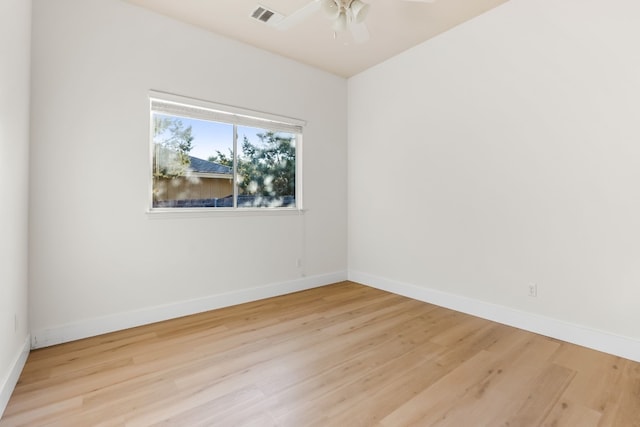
115,322
10,381
576,334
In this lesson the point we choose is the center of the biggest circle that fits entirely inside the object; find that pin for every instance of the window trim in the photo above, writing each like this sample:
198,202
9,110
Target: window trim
172,104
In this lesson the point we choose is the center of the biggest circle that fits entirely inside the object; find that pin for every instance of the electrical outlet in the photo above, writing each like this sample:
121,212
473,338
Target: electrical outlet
533,290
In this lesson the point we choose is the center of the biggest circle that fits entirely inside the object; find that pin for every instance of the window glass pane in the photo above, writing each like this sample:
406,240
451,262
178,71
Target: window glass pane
208,155
192,162
266,168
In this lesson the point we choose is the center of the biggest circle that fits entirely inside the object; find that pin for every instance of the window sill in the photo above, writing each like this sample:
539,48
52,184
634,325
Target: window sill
175,213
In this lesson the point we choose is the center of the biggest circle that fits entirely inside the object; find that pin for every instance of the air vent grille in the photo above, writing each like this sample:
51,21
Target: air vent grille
262,14
265,15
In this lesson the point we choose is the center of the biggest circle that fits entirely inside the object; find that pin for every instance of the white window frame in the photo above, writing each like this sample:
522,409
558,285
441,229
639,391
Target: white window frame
177,105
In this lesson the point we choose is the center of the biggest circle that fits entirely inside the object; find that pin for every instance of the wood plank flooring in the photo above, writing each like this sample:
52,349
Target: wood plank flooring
341,355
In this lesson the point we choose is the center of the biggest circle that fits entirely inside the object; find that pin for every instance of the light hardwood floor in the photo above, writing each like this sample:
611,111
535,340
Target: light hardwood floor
341,355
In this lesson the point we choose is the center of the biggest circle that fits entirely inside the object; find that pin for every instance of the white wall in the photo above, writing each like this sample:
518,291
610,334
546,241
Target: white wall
98,261
505,152
15,33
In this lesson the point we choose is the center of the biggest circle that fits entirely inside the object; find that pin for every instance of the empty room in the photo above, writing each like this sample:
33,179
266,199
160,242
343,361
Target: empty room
320,213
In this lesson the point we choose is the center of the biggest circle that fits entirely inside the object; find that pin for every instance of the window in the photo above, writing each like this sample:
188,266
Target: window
209,156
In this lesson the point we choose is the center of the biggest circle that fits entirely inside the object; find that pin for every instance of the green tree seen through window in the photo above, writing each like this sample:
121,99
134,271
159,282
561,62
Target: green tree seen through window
172,143
267,168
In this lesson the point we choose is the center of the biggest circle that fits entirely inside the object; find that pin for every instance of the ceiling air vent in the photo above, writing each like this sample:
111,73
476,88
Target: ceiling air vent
265,15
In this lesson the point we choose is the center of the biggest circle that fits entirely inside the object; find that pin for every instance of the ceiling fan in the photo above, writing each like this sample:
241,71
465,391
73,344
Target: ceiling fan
346,14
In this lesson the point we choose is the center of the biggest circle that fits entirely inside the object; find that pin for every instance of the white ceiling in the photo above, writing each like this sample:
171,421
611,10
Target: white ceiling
394,26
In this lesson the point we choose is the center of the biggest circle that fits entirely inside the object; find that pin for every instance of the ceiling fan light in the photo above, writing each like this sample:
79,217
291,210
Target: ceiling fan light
340,24
331,8
359,10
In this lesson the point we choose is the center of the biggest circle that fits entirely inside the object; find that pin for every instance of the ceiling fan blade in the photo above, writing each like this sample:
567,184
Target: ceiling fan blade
359,32
299,15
